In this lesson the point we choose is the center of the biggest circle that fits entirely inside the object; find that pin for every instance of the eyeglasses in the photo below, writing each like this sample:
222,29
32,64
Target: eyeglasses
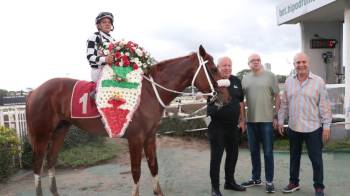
254,60
300,62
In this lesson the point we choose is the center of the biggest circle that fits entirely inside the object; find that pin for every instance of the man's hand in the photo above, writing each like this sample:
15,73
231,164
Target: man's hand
109,59
326,134
275,123
242,125
281,130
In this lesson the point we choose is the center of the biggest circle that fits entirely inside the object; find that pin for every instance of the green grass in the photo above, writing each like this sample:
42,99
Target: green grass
332,146
281,145
338,146
88,154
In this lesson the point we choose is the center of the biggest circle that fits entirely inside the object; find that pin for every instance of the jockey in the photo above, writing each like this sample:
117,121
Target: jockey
94,54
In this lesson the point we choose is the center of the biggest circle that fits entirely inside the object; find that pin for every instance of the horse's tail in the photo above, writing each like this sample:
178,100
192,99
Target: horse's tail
28,116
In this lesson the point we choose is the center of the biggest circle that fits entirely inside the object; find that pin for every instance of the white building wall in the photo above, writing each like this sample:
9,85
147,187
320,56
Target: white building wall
16,119
326,30
347,63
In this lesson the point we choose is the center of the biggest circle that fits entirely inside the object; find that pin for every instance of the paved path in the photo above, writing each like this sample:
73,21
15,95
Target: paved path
184,172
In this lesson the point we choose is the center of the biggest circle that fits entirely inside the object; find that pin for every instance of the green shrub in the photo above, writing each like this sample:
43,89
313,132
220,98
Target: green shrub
180,127
76,136
87,154
9,150
27,154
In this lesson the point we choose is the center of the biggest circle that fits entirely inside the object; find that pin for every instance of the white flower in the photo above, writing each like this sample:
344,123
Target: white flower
127,53
105,52
124,42
138,52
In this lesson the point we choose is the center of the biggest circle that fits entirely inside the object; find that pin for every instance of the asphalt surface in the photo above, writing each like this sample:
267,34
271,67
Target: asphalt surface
184,171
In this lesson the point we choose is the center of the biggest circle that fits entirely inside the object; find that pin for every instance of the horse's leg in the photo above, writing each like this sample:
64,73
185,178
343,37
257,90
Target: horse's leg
39,150
135,148
56,144
151,155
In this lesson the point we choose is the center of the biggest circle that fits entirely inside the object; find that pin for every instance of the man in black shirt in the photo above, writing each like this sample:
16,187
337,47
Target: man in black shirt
223,131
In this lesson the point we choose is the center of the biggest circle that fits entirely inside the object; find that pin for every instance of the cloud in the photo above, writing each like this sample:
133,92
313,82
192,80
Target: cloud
44,40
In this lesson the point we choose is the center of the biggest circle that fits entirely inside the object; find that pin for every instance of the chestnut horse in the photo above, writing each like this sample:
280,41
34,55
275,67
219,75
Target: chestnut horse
49,116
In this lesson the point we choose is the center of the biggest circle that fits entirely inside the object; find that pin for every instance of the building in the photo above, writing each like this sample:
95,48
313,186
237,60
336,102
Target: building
12,114
267,66
325,36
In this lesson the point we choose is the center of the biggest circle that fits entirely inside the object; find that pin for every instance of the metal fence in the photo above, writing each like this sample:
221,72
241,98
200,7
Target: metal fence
336,94
183,106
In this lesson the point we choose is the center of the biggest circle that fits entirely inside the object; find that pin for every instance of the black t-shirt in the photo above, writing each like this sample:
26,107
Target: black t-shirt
228,114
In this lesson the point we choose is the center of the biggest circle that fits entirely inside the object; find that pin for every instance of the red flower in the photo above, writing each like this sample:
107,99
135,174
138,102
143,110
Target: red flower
110,47
134,66
117,55
126,61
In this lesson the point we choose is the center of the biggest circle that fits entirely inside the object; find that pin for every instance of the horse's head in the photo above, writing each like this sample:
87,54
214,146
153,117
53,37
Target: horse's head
206,77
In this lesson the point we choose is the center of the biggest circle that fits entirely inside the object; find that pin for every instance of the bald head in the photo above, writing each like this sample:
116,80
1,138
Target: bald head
225,66
300,55
224,59
254,62
301,65
253,57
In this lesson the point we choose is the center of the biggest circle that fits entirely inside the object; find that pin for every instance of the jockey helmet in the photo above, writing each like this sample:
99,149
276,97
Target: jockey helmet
103,15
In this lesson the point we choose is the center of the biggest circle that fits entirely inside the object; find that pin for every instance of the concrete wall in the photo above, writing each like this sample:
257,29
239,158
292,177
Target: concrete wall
326,30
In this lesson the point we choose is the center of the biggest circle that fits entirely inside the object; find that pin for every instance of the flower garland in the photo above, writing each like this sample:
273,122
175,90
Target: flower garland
119,88
128,54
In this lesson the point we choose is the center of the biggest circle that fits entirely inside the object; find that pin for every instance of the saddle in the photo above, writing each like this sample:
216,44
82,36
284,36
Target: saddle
82,104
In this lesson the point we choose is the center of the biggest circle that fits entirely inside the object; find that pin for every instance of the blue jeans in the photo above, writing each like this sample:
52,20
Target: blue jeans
314,146
261,132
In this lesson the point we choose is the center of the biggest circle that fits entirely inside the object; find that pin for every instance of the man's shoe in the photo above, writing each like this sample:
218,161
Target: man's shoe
270,188
234,186
215,192
319,192
251,183
291,187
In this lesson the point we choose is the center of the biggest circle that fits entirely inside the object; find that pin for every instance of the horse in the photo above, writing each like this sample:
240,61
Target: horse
49,116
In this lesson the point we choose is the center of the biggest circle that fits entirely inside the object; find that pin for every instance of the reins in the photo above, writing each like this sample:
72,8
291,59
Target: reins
202,63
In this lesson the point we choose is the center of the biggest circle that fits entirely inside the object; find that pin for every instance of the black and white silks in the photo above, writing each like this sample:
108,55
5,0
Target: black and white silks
94,48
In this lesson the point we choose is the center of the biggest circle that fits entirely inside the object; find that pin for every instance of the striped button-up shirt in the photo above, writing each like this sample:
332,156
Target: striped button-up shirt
306,103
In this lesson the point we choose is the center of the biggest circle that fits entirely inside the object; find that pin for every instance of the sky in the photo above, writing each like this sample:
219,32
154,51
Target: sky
43,39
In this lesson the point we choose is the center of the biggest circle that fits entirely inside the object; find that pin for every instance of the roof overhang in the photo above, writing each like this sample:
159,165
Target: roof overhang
295,11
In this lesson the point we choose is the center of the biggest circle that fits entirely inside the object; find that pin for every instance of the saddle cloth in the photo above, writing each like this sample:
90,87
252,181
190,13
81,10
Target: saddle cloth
82,105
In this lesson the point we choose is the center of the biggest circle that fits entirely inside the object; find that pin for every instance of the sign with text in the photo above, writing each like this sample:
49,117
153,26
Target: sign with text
290,9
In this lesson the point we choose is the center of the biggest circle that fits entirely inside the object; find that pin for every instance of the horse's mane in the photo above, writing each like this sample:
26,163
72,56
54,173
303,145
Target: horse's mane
160,65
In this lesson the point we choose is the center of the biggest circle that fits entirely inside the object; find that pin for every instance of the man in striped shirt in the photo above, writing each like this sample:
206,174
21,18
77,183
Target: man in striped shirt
305,101
94,54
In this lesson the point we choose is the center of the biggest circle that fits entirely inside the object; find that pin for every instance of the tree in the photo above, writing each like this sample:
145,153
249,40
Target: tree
281,78
243,72
3,93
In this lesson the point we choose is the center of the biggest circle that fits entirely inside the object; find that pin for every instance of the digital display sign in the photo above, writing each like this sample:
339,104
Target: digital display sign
323,43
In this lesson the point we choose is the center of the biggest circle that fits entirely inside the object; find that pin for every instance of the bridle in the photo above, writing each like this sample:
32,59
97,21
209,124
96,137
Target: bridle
202,64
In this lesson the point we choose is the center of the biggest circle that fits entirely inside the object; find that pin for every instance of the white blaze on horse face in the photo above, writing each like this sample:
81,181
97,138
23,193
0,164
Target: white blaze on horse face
37,179
135,189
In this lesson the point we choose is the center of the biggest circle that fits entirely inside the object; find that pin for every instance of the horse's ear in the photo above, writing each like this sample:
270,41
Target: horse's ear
202,51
